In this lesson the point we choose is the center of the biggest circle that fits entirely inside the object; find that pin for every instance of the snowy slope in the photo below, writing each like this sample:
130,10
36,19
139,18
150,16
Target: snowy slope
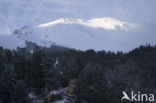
98,34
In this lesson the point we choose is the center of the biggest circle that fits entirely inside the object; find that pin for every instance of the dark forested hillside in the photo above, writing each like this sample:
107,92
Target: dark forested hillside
89,76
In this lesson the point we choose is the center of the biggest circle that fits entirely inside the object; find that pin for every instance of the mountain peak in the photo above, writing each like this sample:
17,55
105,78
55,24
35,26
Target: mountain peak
104,23
59,21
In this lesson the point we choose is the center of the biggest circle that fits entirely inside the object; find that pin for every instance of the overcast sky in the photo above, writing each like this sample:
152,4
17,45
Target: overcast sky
16,13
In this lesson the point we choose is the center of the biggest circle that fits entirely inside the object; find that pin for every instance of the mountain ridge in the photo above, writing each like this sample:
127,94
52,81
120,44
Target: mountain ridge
104,23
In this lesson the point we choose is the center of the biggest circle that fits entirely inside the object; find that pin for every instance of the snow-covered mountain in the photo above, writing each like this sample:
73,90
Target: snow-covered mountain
104,23
98,34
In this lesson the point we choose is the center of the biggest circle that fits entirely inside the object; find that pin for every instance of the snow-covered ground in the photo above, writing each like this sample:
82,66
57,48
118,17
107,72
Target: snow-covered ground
63,92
